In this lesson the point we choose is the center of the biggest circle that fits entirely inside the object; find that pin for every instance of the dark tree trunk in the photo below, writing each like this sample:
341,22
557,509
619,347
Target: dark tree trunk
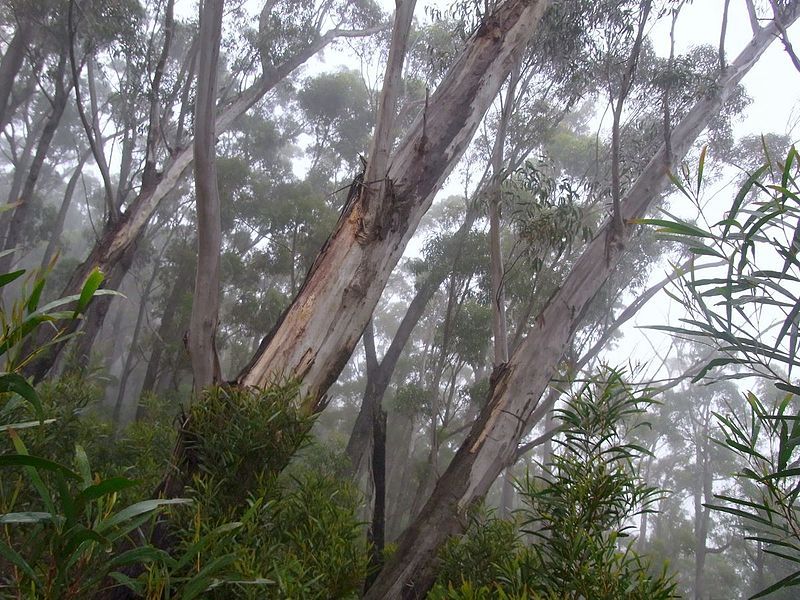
21,214
11,63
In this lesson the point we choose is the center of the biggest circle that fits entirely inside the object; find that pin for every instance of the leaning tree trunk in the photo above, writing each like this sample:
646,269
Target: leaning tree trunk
21,215
517,386
316,335
318,332
11,63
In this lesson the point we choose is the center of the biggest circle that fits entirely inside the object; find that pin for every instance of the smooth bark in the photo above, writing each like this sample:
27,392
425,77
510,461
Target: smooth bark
201,341
375,174
127,367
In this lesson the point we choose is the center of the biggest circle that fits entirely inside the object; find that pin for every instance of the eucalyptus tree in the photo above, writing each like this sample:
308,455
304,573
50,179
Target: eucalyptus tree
517,387
202,336
280,46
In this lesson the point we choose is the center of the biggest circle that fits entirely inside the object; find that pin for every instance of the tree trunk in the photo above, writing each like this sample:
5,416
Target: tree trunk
702,514
58,226
378,382
96,313
374,194
11,63
128,366
401,442
317,334
201,341
496,269
22,212
517,387
117,238
166,330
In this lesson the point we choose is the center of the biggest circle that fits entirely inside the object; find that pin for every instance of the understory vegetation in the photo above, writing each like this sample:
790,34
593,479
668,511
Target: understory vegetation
459,300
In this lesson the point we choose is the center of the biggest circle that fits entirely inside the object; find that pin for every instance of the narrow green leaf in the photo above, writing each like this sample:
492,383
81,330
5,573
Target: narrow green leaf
6,278
82,462
26,425
26,517
740,197
104,488
36,295
17,384
91,285
675,227
700,167
30,471
14,558
26,460
788,581
140,508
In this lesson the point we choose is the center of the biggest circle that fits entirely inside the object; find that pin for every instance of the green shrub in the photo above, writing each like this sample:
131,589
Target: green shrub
576,515
293,532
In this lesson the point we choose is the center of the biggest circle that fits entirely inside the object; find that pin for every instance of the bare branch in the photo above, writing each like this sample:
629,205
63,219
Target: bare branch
723,31
92,129
787,45
372,196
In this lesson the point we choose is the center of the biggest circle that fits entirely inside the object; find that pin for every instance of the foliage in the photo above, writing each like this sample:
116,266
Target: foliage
230,430
62,549
547,215
576,516
291,531
58,523
69,532
749,314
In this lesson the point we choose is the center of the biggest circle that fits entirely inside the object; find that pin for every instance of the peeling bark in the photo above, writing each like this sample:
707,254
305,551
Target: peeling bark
318,332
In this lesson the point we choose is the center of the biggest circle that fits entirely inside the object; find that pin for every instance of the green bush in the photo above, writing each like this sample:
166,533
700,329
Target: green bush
576,516
251,528
292,531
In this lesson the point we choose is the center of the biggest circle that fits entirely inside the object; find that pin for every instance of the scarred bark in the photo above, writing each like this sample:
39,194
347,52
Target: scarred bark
318,332
517,387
